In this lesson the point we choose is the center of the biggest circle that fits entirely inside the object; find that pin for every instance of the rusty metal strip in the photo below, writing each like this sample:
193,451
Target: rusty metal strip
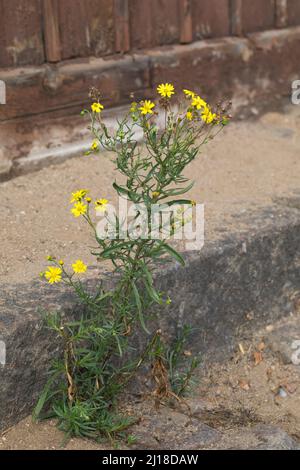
281,13
236,17
186,27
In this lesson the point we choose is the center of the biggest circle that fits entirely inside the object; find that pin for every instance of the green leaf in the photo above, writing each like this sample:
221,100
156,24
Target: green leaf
173,253
177,192
119,345
45,396
148,281
139,307
125,192
120,190
179,201
110,250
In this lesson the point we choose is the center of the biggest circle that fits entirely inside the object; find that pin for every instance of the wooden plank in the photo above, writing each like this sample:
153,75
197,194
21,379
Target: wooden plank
210,19
21,40
165,22
258,15
73,27
122,37
293,8
186,25
86,27
154,23
140,21
281,13
27,94
117,79
100,15
236,17
51,30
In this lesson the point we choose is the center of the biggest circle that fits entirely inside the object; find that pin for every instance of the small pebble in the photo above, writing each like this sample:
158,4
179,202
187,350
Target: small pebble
282,393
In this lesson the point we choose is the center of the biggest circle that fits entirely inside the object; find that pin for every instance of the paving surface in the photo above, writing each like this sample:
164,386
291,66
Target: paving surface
252,166
243,169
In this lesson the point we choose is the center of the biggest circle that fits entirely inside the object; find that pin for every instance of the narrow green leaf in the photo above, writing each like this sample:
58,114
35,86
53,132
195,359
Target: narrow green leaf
148,281
173,253
120,189
179,201
110,250
125,192
177,192
45,396
139,307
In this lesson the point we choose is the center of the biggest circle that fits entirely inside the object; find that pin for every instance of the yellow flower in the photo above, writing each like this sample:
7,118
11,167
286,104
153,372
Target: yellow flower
198,102
100,205
146,107
189,116
79,267
78,195
88,200
61,262
95,145
155,194
207,116
166,90
97,107
53,275
189,93
79,209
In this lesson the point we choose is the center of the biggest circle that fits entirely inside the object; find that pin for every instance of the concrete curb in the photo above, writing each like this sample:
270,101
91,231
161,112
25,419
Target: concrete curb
255,272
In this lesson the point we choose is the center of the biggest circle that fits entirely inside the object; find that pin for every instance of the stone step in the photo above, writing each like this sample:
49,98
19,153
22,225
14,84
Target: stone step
234,280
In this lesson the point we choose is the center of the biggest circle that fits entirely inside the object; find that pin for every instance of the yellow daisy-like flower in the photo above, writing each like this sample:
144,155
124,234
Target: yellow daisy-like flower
198,102
79,267
100,205
95,145
155,194
147,107
79,209
61,262
207,116
97,107
53,275
189,116
166,90
78,195
189,93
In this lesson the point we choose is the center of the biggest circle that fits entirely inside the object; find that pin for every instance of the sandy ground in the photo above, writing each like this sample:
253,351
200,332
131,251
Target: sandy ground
244,167
253,388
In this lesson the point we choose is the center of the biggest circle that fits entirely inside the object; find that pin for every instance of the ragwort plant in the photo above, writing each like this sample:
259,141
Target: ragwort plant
84,384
